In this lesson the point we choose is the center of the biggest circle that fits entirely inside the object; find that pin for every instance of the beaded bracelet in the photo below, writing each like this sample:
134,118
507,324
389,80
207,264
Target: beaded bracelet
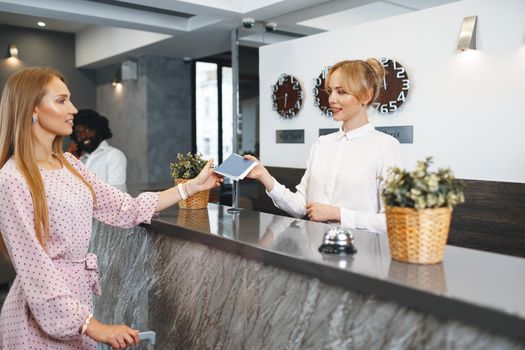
85,325
182,193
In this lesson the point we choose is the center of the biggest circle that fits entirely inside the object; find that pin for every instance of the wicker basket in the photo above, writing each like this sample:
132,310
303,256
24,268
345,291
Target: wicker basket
418,236
197,201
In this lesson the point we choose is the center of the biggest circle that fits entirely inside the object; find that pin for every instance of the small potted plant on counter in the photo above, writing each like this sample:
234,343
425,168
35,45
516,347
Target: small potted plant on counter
418,211
184,169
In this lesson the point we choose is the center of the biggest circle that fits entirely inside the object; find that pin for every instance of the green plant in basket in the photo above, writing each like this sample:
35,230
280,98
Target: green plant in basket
187,166
420,188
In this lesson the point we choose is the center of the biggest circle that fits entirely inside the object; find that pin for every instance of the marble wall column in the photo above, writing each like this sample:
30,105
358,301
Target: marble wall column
150,117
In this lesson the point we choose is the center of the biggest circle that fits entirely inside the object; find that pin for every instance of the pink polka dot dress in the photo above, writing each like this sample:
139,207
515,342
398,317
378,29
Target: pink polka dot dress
52,294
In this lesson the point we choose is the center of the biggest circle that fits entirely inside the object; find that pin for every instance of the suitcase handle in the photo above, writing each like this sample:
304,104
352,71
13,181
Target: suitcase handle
148,336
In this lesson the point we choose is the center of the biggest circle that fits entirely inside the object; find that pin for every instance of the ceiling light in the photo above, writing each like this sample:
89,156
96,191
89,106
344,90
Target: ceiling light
41,24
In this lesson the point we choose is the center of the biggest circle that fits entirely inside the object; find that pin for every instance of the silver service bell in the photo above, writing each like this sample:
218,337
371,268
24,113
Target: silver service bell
337,240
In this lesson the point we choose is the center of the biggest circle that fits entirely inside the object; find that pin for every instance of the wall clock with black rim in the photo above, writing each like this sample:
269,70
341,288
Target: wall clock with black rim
320,94
395,88
287,96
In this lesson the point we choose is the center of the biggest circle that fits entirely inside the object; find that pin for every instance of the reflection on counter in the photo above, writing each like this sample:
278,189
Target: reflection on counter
196,219
426,277
301,238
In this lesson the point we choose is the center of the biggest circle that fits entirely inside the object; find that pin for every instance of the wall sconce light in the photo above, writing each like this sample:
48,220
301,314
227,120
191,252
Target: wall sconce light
467,36
117,78
13,50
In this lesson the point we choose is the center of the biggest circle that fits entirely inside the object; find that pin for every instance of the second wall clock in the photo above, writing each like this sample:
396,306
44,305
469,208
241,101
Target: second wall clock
396,86
320,93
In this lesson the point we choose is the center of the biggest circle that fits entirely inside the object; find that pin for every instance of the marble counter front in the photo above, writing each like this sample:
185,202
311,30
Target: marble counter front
209,279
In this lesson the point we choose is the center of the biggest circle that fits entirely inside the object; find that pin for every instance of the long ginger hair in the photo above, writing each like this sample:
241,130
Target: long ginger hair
24,91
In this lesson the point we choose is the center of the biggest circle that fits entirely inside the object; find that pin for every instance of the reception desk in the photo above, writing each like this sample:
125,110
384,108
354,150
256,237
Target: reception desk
206,279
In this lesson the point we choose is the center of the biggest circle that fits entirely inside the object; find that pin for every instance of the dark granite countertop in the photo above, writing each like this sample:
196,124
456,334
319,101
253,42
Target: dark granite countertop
484,289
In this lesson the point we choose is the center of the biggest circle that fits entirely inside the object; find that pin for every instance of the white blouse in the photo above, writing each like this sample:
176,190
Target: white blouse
343,170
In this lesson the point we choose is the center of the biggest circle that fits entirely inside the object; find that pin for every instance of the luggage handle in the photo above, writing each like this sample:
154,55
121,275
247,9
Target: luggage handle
150,336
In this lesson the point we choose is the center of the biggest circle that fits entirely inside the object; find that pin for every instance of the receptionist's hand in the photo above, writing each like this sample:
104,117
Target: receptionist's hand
322,212
260,173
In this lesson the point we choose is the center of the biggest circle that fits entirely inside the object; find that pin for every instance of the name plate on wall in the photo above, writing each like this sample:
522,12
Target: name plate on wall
404,134
289,136
327,131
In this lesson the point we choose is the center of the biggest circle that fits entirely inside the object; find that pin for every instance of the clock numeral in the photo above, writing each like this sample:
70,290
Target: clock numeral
324,73
384,108
300,95
274,106
400,72
406,84
317,102
296,86
394,64
326,111
318,82
402,96
275,88
274,97
315,91
376,105
298,104
393,106
384,61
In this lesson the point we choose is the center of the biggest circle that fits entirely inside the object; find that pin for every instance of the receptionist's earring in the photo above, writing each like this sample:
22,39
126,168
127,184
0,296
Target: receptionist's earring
34,119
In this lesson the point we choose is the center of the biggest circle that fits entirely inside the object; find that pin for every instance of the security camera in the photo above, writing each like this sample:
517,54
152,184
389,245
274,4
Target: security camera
248,22
271,27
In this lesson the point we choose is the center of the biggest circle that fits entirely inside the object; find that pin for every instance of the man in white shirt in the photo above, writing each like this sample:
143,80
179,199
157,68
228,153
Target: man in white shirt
90,132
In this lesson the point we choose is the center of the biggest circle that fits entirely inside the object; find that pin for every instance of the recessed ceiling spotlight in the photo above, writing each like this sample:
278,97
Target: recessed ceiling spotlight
41,24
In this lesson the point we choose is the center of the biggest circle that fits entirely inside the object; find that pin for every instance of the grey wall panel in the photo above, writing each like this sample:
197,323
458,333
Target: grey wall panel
126,110
150,117
44,48
169,113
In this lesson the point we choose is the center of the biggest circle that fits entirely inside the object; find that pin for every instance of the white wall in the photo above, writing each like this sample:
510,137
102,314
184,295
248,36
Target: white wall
466,108
99,43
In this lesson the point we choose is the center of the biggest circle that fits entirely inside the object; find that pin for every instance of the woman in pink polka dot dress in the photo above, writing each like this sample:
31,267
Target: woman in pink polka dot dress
47,202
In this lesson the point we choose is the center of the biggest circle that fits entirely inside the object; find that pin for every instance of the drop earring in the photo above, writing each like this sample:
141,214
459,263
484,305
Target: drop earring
34,119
